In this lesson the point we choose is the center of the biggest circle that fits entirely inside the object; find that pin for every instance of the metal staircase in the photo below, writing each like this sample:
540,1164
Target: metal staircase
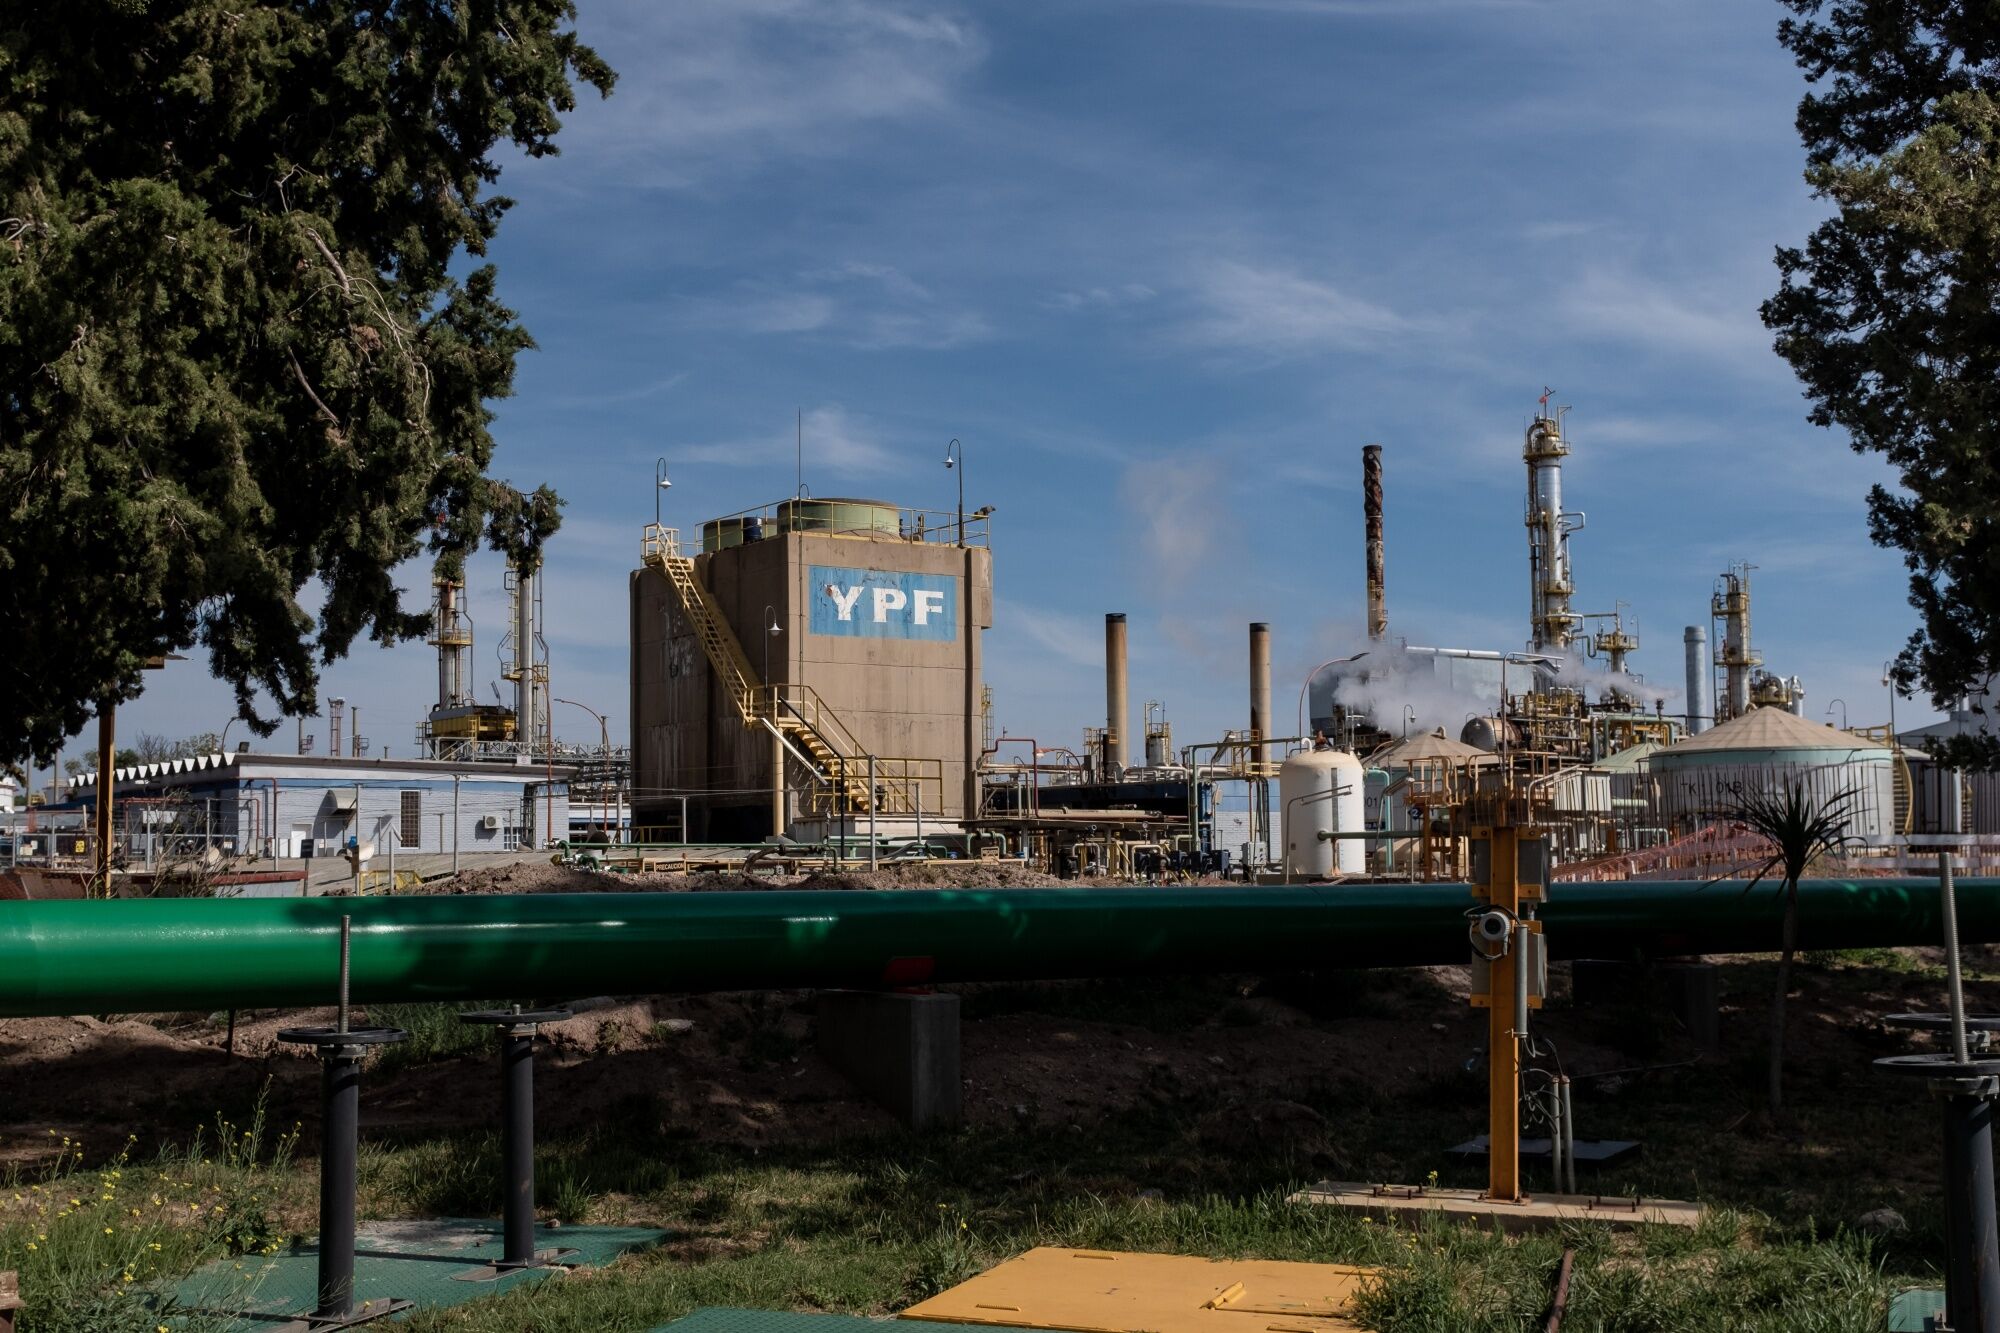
801,718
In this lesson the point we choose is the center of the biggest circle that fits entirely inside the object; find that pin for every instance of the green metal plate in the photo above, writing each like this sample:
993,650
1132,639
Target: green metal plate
721,1319
414,1261
1917,1311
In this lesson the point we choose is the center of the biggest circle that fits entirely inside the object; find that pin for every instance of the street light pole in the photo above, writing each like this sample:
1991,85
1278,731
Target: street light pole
1843,711
954,460
660,483
603,728
1889,683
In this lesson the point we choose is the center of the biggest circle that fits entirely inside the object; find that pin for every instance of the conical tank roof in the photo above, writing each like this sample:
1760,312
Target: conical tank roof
1629,759
1771,728
1429,746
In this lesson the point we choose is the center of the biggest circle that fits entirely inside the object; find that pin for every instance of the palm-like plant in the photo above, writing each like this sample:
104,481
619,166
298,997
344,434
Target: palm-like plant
1800,827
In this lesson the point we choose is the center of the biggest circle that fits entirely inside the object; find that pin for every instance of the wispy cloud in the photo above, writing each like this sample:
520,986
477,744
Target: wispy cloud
1678,318
1070,639
1103,298
832,440
729,82
1279,311
863,305
638,393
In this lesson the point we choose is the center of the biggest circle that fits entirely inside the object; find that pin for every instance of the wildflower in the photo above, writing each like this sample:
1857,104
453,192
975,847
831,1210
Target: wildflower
33,1246
107,1231
154,1246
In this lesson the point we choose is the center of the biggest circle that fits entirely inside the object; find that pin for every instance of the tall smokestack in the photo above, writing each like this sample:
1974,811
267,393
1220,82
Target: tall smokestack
1371,508
1260,689
1117,709
1700,706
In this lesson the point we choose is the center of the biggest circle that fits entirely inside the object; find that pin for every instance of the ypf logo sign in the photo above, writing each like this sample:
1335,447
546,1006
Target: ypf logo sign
879,604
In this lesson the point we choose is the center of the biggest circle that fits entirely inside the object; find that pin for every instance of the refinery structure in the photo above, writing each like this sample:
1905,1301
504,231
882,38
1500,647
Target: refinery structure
806,675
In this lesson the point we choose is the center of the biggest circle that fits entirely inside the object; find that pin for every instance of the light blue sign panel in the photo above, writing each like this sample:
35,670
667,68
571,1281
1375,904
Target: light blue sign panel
880,604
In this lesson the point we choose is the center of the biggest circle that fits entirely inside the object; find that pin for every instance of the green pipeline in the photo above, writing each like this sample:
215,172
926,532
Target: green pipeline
172,954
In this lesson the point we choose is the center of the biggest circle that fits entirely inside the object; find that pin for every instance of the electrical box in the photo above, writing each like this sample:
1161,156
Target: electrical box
1538,975
1531,865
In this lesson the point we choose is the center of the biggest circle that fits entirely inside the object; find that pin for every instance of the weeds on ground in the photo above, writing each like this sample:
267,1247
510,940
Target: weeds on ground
94,1244
436,1033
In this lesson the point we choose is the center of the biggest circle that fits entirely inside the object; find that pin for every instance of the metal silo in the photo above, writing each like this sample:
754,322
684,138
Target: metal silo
1769,750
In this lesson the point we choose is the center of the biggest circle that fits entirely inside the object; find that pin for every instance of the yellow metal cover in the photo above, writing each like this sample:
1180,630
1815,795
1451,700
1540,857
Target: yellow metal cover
1097,1291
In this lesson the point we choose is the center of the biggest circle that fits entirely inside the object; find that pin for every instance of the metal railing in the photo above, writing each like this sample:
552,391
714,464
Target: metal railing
844,518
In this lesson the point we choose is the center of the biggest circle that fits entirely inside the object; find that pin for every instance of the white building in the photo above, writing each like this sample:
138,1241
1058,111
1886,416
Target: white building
288,805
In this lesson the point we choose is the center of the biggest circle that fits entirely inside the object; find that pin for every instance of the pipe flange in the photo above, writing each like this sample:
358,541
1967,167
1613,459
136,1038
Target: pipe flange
514,1022
1942,1022
335,1040
1949,1076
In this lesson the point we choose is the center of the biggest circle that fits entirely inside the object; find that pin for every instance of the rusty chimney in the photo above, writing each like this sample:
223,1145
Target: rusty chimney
1371,506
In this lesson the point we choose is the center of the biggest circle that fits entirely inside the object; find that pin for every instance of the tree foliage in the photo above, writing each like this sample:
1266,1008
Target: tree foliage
1890,313
235,353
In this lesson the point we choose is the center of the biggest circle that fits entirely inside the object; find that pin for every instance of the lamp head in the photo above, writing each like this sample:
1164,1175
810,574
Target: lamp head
950,462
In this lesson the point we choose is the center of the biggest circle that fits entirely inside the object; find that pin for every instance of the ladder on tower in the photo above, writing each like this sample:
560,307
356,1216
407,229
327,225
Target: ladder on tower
826,743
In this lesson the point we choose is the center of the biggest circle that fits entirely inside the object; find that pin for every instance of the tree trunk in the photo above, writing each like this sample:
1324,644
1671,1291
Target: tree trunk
1791,929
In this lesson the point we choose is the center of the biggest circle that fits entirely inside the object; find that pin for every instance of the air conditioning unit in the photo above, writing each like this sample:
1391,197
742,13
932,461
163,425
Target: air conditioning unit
490,823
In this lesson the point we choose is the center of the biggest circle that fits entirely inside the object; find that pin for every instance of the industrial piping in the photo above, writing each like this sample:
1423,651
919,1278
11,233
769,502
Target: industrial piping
1117,707
149,955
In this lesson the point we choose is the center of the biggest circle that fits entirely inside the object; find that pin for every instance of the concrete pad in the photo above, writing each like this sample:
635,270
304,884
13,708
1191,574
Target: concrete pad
899,1050
1396,1203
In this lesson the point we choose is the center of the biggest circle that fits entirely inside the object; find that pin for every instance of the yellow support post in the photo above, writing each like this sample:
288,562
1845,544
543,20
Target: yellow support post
1503,1064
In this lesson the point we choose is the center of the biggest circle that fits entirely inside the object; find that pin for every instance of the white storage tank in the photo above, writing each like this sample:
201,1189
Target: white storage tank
1322,791
1770,750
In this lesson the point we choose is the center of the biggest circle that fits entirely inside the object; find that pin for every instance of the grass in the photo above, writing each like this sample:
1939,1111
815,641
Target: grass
869,1225
436,1033
92,1242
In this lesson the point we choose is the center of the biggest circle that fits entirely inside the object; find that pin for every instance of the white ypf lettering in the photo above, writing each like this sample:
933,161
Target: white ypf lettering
930,602
845,604
887,600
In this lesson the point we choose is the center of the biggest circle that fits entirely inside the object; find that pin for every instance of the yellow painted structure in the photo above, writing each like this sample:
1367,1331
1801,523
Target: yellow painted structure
1099,1291
1410,1202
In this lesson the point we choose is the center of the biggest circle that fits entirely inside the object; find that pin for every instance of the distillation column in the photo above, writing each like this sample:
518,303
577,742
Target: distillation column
1371,508
1117,708
1552,621
1731,606
527,726
1700,704
453,637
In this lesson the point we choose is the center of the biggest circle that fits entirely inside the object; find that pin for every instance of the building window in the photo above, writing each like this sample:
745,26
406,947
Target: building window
410,829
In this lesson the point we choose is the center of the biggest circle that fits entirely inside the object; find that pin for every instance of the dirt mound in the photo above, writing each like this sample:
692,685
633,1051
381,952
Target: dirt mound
538,877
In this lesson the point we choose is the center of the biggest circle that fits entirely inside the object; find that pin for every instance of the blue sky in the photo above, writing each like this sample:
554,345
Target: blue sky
1164,268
